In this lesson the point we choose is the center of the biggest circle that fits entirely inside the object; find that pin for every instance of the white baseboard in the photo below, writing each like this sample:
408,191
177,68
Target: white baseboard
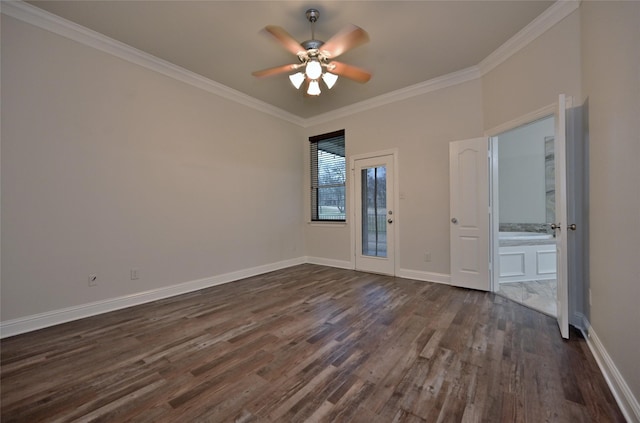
579,321
56,317
620,389
340,264
420,275
627,402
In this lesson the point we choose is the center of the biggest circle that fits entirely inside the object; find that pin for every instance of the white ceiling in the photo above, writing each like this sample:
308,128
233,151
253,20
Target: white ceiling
410,41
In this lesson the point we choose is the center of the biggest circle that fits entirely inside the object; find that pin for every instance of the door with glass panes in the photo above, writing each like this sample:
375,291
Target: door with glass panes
374,215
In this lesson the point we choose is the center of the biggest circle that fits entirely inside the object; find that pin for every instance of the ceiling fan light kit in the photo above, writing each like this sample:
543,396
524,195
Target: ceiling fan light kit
297,79
313,69
329,79
314,88
316,57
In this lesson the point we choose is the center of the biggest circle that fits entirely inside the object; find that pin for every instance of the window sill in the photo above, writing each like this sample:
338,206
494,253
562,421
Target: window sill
334,224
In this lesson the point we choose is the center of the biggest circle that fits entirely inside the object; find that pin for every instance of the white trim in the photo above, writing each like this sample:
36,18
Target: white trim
545,21
362,156
541,113
494,213
340,264
619,388
526,119
393,152
583,324
56,317
579,321
327,223
57,25
421,275
454,78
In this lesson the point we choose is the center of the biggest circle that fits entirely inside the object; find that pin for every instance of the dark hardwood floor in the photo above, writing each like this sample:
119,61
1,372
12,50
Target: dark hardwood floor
308,343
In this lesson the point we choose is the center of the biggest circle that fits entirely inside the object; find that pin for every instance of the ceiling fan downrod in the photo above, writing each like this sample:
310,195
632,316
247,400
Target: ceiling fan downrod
312,17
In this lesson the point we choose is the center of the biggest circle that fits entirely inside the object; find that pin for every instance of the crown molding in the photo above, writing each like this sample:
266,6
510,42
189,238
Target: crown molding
63,27
421,88
545,21
35,16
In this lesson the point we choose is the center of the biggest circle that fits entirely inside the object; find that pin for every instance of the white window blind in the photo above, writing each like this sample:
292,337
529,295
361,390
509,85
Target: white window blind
328,177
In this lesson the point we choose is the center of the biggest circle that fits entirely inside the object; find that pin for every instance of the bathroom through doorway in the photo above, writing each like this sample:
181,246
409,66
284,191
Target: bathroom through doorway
523,178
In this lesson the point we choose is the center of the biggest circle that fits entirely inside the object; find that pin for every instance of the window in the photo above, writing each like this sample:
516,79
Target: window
328,177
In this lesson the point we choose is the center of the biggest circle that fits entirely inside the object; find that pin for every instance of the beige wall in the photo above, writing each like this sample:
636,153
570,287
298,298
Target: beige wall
533,77
107,166
522,175
611,90
420,128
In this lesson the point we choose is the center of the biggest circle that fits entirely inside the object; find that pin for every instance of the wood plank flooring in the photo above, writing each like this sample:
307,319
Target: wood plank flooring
307,344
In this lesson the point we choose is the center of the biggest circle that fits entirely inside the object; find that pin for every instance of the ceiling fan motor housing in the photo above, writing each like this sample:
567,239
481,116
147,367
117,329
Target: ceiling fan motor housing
312,44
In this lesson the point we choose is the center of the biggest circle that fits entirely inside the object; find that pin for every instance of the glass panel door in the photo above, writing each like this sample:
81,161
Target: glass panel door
374,211
375,217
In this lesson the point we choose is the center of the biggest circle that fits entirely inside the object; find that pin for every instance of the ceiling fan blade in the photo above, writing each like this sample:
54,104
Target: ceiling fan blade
287,41
348,71
275,71
349,37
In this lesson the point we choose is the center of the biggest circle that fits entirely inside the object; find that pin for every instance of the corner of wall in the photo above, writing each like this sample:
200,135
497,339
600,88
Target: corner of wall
621,391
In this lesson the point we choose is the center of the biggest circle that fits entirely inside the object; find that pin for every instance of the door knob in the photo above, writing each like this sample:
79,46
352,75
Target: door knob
572,226
554,226
454,220
389,220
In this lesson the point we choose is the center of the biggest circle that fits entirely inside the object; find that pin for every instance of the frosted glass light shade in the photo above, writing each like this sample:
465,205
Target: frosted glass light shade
313,69
297,79
314,88
329,79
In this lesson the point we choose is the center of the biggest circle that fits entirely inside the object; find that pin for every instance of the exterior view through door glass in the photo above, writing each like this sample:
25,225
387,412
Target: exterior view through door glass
374,211
373,182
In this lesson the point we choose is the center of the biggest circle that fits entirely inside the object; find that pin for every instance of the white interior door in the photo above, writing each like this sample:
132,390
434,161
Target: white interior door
469,213
561,225
374,214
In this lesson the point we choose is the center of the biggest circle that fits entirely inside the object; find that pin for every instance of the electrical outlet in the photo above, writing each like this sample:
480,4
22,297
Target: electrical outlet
135,274
427,257
93,279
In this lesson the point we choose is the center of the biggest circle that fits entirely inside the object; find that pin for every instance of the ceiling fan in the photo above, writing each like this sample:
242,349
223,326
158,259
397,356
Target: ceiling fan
316,57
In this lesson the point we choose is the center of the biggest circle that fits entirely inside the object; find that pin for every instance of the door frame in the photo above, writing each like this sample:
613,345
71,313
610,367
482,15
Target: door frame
563,295
395,204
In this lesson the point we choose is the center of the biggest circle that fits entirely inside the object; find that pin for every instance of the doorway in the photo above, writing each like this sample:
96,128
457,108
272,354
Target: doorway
375,214
466,255
523,183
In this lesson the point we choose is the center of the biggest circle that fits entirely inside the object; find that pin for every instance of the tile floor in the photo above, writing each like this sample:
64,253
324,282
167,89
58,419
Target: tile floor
539,295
